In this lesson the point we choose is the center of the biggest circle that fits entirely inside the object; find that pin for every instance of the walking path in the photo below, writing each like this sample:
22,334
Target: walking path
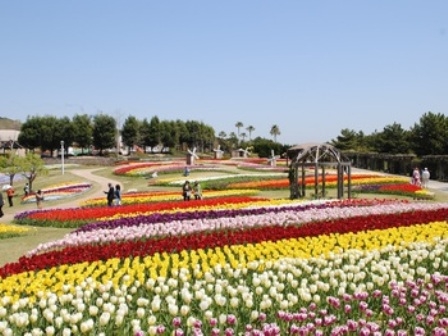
18,246
99,185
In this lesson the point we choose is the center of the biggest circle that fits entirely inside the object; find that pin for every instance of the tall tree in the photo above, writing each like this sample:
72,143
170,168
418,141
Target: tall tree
392,140
428,137
31,166
250,129
104,132
82,130
222,134
347,140
243,136
275,131
169,134
11,165
153,138
130,132
238,125
29,136
63,130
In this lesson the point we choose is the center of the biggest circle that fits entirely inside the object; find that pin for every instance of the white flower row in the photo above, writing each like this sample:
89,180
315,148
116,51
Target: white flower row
284,217
284,285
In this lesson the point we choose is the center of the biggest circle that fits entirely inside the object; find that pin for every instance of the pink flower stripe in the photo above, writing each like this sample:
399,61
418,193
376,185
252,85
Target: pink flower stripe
141,248
283,217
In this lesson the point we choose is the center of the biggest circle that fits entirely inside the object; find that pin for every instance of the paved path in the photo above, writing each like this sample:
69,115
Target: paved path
99,185
18,246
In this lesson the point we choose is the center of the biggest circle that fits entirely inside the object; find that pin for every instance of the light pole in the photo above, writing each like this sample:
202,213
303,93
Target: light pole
62,156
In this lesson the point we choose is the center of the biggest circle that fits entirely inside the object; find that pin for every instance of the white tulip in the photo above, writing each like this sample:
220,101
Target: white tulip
204,304
36,332
234,302
119,318
86,326
184,310
50,331
155,304
104,318
66,332
93,310
152,320
8,332
58,321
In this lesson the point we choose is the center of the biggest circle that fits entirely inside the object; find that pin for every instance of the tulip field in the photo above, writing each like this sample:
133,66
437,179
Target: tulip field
235,263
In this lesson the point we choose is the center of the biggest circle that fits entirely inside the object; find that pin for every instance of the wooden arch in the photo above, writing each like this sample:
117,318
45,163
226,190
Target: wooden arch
318,156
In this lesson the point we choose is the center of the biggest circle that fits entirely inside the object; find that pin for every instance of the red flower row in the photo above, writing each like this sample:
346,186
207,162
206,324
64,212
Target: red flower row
72,255
77,214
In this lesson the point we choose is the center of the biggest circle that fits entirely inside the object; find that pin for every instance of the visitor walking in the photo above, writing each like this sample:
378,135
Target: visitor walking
425,178
10,194
416,179
117,195
2,203
110,194
39,199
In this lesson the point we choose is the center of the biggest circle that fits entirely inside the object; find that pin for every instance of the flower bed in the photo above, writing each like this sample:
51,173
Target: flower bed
9,231
361,267
60,191
148,168
75,217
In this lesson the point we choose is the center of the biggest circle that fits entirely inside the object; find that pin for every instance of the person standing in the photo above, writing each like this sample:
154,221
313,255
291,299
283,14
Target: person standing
10,194
416,177
197,190
110,194
2,203
26,189
186,191
117,195
39,198
425,178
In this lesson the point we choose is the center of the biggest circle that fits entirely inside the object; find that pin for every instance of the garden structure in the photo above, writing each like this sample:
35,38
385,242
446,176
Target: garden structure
317,157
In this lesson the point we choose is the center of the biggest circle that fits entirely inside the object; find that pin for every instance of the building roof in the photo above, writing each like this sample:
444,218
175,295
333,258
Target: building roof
9,134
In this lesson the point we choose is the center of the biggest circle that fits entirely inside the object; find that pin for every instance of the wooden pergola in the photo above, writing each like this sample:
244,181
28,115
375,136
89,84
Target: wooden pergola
317,156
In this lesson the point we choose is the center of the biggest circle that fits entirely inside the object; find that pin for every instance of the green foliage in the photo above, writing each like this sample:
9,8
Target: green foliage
428,137
104,132
130,132
392,140
82,130
263,147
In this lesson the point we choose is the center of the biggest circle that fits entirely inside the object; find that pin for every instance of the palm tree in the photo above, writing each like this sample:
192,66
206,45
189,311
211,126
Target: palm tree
222,134
250,129
275,130
243,136
238,125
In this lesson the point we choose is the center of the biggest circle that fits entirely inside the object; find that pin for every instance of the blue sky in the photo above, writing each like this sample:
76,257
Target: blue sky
310,67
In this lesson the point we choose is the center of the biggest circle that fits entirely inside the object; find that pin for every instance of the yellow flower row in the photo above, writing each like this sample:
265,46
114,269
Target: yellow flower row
11,229
198,262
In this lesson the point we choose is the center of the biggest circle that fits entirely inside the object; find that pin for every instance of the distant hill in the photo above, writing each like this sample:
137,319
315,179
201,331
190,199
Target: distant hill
6,123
